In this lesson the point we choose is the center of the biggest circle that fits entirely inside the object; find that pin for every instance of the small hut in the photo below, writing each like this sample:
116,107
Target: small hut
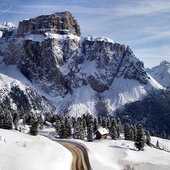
101,133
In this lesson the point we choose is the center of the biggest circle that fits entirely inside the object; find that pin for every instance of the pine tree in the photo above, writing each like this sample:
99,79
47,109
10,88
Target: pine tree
34,128
127,131
8,121
135,132
68,126
81,131
99,120
104,122
132,133
90,133
113,129
95,125
163,135
15,120
140,140
2,117
30,118
89,120
76,130
57,126
84,123
157,144
62,131
119,127
113,132
148,138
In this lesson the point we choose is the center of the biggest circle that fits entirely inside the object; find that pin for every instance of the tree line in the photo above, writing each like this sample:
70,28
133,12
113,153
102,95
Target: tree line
83,127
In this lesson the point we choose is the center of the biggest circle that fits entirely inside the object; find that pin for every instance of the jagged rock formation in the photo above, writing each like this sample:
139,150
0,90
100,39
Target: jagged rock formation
60,23
73,74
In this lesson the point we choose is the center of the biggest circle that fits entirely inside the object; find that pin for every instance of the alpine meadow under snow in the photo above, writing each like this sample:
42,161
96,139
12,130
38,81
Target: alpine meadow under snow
20,151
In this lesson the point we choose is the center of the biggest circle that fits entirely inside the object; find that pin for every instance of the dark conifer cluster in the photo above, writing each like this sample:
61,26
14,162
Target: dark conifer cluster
84,127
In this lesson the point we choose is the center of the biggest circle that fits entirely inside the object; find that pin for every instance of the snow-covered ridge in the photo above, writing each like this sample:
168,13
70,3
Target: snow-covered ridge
161,73
49,35
8,25
105,39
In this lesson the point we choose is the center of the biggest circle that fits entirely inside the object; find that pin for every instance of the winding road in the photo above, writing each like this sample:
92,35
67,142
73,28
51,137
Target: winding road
79,153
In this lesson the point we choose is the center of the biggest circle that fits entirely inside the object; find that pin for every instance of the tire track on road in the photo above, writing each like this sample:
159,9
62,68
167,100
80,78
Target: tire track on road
78,162
79,152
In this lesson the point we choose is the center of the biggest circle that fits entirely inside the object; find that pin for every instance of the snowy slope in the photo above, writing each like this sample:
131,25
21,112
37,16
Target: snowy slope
24,152
122,91
10,76
161,73
116,155
20,151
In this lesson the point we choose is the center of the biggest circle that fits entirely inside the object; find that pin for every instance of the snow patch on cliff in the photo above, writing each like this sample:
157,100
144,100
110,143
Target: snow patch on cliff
105,39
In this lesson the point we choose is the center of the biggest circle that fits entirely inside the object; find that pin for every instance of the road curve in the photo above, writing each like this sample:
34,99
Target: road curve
79,153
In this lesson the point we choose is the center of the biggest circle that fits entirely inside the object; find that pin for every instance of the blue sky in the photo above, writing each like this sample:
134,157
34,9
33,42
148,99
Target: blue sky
144,25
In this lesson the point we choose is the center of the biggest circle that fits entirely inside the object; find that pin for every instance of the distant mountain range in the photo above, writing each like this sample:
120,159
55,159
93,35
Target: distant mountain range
161,73
46,66
9,26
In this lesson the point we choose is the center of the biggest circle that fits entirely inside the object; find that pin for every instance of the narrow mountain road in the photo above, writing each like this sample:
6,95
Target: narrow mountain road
80,158
79,153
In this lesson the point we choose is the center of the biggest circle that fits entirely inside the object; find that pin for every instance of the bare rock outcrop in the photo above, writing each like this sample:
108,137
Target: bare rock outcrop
61,23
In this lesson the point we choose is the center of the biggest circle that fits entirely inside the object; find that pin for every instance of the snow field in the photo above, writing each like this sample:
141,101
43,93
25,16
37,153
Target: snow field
20,151
117,154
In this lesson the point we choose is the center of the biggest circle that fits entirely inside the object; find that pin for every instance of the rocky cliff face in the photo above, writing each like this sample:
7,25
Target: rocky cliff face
74,73
60,23
61,63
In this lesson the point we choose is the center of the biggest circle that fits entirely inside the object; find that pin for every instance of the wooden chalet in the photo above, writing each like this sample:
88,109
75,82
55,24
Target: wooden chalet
101,133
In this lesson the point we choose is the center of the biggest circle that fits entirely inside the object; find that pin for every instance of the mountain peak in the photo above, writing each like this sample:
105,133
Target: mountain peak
165,63
59,22
161,73
6,27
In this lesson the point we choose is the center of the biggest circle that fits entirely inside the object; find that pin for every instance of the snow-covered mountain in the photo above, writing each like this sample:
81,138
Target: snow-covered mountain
161,73
47,66
6,26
